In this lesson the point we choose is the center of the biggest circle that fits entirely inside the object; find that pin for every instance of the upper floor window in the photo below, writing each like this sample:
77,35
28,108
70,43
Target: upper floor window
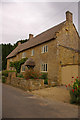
44,49
44,67
32,52
23,54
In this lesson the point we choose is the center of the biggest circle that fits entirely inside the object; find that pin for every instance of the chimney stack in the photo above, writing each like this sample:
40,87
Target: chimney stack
30,36
69,16
19,43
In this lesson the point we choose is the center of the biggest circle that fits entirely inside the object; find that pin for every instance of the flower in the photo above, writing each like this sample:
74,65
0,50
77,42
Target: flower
77,77
78,86
72,77
71,81
73,90
66,85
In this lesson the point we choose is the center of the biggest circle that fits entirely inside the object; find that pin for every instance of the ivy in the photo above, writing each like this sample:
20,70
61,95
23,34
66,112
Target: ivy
17,64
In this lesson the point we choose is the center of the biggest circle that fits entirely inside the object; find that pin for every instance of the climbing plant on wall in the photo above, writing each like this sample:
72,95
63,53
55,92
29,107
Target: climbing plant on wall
17,64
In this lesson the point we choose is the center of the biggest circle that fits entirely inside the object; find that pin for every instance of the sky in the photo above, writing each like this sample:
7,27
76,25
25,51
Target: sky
19,18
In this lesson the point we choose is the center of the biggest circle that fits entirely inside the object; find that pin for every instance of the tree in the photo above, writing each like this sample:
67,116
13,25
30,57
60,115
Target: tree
6,50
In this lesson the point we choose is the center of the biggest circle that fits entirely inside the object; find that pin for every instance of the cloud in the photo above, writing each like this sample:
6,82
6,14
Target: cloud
20,19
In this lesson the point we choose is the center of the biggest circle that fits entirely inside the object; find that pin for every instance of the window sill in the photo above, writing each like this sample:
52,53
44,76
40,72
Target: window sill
23,57
44,71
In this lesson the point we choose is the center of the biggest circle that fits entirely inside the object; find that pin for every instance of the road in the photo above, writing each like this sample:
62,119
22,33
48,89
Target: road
20,104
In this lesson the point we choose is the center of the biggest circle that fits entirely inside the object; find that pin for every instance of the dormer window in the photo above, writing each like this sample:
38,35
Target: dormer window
23,54
44,49
32,52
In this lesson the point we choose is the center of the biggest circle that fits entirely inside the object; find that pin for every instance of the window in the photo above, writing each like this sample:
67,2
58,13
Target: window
23,68
10,60
32,52
44,67
44,49
23,55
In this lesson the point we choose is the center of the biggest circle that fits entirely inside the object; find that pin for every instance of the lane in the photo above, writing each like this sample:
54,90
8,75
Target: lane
20,104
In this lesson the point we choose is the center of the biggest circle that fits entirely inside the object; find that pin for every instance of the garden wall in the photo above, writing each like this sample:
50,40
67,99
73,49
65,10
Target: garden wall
30,84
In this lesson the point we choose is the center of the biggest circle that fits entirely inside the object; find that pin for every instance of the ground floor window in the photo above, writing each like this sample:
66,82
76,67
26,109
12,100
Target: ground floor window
23,68
44,67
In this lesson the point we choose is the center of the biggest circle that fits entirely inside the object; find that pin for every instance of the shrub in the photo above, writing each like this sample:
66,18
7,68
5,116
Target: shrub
75,91
3,79
31,74
20,75
5,73
44,76
17,64
45,81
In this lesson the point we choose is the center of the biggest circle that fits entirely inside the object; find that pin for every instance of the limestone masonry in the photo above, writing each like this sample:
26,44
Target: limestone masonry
55,51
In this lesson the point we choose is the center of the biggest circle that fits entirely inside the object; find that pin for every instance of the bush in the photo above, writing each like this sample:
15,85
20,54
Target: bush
5,73
3,79
20,75
45,81
44,76
17,64
12,71
31,74
75,91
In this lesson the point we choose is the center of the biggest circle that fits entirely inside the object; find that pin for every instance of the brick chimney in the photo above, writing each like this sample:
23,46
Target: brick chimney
19,43
69,16
30,36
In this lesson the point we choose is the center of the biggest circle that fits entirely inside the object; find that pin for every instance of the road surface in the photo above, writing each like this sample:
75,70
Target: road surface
20,104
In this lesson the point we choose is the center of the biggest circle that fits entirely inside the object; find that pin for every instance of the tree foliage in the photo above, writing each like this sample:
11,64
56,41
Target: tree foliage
6,50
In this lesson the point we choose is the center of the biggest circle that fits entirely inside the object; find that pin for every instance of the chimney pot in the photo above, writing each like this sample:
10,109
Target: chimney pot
69,16
19,43
30,36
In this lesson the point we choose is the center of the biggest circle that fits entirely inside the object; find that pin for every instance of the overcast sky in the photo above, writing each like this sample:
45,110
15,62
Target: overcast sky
19,19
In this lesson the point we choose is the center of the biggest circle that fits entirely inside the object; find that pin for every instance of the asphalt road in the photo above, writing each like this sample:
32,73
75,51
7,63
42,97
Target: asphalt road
17,103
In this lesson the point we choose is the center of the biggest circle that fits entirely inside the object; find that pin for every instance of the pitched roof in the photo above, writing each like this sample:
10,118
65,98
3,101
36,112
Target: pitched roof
39,39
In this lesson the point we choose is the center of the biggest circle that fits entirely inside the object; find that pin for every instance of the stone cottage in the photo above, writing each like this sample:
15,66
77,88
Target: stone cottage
55,51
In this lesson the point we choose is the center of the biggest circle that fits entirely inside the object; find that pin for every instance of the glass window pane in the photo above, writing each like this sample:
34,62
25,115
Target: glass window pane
46,67
44,48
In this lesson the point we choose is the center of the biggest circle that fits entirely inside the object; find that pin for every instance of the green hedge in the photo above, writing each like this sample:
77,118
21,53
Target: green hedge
3,79
5,73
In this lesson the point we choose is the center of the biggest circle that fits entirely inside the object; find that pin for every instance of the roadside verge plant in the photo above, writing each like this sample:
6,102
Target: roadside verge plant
75,91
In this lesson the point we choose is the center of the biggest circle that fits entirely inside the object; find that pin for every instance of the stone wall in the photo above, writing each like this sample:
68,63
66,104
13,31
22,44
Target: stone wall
31,84
56,55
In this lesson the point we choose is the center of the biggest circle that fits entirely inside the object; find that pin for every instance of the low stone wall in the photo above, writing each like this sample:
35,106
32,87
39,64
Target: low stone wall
31,84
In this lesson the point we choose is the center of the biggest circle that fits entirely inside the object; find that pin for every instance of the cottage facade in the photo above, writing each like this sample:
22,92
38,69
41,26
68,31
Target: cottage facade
55,51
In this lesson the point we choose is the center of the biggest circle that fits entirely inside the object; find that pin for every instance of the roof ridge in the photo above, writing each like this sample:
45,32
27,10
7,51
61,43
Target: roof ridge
44,32
39,39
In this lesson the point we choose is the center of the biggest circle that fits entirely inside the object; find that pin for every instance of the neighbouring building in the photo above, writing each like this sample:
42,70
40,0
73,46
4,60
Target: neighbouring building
55,51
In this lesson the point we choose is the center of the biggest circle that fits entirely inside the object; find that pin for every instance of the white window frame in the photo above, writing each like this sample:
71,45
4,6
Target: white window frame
44,67
22,68
32,52
24,55
44,49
